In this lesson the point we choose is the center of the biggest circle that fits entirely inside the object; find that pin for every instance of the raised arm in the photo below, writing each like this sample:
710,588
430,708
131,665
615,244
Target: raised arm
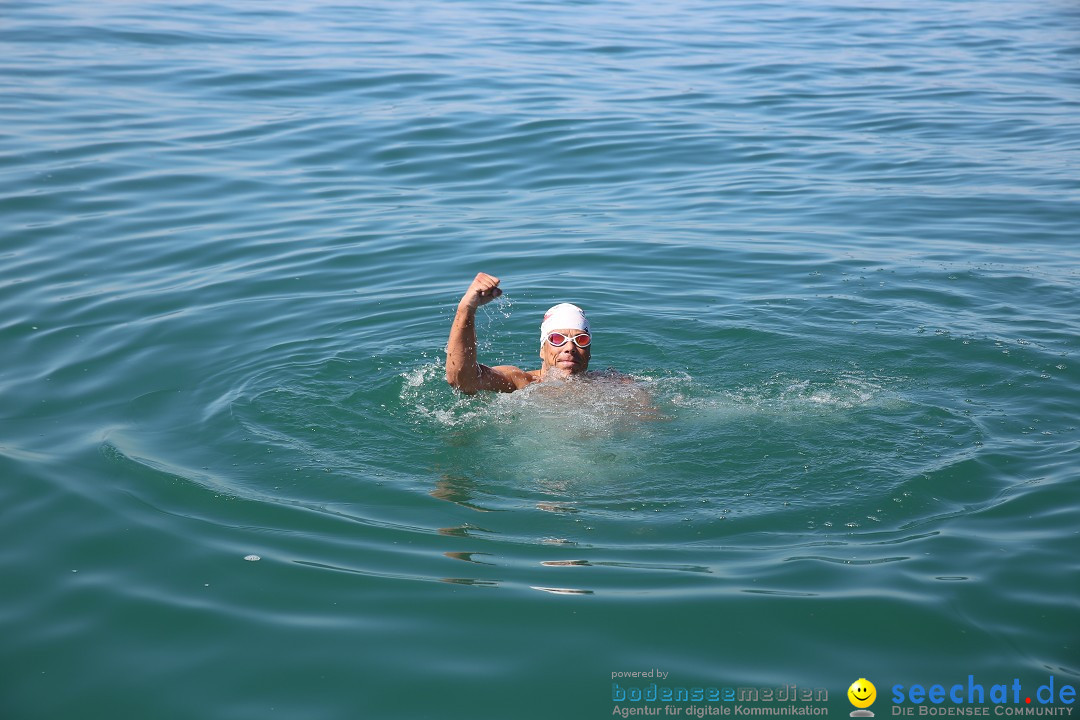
462,369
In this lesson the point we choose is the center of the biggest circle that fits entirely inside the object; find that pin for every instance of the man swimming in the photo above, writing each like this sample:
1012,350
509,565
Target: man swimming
565,345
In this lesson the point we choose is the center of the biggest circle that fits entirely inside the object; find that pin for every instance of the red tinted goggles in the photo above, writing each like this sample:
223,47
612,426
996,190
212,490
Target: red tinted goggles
558,339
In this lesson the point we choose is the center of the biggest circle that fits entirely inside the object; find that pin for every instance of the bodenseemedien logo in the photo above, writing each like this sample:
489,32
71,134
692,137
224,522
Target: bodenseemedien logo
862,694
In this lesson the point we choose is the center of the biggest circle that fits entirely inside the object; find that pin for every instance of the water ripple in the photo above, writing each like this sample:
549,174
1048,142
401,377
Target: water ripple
834,244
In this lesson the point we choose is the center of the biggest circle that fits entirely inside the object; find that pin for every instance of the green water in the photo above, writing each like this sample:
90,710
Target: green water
835,245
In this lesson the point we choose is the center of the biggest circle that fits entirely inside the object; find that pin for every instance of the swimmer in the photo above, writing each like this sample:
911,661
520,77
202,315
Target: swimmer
565,345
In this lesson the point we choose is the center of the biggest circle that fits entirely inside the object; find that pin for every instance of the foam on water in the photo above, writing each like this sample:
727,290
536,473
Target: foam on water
683,451
601,403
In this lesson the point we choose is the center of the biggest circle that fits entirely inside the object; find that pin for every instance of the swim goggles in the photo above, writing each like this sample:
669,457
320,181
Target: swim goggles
558,339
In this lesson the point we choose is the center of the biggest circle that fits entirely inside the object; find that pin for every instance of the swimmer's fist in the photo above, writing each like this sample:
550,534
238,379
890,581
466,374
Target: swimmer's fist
483,290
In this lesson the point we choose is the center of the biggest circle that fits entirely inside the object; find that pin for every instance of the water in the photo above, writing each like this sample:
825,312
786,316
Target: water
835,244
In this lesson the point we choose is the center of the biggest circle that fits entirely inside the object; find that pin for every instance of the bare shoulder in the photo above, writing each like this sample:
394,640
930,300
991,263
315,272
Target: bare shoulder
636,396
506,378
612,374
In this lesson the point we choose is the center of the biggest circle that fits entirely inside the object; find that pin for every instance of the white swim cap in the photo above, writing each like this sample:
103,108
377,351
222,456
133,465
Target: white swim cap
563,316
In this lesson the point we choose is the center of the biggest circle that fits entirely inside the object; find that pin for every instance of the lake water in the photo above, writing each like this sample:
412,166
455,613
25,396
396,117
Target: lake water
836,244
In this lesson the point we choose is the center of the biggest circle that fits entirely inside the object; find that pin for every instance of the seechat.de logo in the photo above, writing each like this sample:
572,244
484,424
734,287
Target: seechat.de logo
862,695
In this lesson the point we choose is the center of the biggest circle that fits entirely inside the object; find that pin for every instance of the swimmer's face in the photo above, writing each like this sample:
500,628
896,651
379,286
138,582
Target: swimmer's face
569,357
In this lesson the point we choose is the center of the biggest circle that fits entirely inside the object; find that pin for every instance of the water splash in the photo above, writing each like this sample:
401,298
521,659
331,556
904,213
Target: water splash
792,395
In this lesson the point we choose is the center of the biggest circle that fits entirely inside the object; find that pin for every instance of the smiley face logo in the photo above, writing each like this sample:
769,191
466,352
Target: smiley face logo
862,694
